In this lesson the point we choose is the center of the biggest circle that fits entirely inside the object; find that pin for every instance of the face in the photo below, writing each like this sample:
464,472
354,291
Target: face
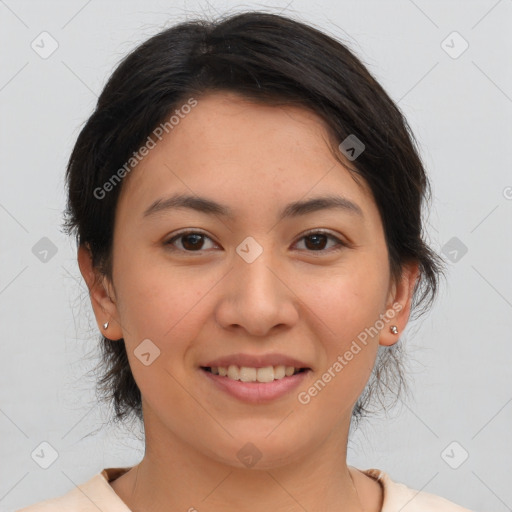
279,285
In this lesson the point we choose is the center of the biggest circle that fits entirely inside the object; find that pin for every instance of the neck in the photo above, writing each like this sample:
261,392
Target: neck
175,476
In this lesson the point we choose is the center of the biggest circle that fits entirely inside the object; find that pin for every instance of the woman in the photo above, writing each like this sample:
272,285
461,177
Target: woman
247,205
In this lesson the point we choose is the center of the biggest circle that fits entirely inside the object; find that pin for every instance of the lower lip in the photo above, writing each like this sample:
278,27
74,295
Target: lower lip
257,392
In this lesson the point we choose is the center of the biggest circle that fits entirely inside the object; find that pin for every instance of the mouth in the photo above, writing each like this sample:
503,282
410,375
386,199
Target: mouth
256,385
251,374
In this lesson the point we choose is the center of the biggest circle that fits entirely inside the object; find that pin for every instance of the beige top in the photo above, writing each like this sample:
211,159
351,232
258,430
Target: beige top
97,494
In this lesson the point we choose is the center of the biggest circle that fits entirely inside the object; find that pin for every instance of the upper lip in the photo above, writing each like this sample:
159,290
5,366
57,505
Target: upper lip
256,361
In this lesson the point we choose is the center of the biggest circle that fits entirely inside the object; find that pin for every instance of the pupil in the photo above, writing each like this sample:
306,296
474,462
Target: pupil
195,244
316,245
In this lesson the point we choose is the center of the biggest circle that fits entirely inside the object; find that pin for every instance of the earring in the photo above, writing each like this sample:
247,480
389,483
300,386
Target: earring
105,325
393,329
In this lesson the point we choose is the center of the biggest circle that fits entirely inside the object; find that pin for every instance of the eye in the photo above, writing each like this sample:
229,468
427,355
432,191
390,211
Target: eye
318,240
191,241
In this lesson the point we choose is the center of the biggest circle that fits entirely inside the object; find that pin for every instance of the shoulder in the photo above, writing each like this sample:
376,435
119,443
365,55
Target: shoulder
91,496
398,496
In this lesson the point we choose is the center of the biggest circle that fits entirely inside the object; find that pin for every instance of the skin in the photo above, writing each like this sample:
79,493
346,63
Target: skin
306,303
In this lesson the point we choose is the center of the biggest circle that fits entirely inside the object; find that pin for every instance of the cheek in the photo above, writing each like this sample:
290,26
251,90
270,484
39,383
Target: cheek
350,298
166,306
348,303
161,301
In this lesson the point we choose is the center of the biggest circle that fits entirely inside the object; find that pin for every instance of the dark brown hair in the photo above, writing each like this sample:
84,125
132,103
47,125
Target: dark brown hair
266,58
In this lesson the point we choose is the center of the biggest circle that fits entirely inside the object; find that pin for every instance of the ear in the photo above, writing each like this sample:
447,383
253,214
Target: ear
398,307
100,293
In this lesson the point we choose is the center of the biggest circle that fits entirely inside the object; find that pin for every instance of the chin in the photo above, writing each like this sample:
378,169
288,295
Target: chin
258,453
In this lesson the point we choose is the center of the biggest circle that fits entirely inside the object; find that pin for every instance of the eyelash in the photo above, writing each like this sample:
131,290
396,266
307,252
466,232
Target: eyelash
340,243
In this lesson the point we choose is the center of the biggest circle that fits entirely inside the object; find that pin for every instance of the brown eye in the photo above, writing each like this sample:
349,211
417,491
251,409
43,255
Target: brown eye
191,241
194,241
317,241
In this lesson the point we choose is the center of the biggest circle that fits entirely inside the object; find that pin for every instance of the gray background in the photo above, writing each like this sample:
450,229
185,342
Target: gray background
459,355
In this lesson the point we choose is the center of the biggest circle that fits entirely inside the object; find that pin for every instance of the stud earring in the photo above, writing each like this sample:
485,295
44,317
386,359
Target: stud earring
393,329
105,325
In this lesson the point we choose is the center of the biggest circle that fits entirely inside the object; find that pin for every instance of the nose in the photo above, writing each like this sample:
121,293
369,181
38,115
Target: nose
256,297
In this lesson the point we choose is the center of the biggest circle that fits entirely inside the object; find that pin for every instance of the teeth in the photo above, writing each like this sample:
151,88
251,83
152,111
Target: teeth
280,371
247,374
233,372
265,374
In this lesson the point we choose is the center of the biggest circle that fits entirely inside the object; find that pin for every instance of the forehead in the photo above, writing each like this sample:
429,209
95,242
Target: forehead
243,153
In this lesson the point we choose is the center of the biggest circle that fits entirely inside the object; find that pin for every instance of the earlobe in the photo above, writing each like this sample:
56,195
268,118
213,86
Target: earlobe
399,305
105,309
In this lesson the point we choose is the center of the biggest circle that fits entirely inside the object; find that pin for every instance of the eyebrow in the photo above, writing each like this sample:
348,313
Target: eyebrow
210,207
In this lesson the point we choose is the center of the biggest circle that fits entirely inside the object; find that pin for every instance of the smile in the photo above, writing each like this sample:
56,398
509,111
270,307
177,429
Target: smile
249,374
244,382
